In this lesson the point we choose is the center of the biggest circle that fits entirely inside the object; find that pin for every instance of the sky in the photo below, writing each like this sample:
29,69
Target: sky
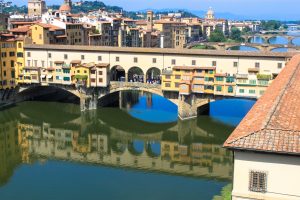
255,9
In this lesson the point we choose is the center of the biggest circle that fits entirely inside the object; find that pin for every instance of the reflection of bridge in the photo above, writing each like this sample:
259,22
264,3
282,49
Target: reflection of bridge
267,36
260,47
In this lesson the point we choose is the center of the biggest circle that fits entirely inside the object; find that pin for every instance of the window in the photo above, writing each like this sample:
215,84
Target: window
214,63
82,57
28,54
167,85
219,79
252,91
177,77
93,71
252,82
135,59
19,45
168,77
43,63
93,80
279,65
230,89
11,54
258,182
219,88
173,62
100,80
153,60
257,65
193,62
49,55
4,73
20,55
66,56
100,73
235,64
117,59
12,63
99,58
242,91
28,63
3,54
51,63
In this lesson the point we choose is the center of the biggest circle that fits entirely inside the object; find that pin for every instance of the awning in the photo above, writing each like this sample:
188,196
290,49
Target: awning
43,76
49,76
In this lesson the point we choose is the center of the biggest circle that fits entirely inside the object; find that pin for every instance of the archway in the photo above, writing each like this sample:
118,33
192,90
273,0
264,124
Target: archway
257,40
153,149
203,46
278,40
242,48
117,73
153,76
136,74
118,147
296,41
49,93
136,147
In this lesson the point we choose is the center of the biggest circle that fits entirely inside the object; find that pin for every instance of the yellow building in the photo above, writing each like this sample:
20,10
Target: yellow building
189,79
81,74
12,60
47,34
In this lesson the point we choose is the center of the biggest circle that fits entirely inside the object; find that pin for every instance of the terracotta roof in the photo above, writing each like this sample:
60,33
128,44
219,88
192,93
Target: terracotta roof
167,51
100,65
273,124
193,67
76,62
253,69
220,75
22,29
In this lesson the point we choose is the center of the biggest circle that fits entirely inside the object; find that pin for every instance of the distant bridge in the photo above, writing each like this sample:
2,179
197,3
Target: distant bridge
227,46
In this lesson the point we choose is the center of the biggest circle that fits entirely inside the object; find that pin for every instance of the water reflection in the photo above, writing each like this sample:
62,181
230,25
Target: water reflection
243,48
188,149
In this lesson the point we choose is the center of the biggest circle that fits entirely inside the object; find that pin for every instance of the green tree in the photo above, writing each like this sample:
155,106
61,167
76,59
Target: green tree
236,34
247,29
217,36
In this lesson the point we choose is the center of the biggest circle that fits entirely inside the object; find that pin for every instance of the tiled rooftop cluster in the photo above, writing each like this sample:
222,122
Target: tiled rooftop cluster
273,124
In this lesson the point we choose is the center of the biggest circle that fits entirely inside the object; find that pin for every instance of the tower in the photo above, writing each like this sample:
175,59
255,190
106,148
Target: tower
210,14
150,20
36,7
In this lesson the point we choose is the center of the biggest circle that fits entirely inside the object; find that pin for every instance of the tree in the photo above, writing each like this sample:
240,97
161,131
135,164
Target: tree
247,29
236,34
217,36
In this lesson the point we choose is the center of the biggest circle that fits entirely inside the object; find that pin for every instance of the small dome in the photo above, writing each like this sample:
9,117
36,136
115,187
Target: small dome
65,8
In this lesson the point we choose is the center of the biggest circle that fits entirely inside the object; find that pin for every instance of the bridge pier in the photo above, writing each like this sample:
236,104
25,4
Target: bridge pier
186,107
88,102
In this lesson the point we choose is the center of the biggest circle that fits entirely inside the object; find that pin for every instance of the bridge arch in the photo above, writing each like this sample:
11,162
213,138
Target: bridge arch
117,73
242,48
136,74
280,37
118,147
54,93
256,39
136,147
153,149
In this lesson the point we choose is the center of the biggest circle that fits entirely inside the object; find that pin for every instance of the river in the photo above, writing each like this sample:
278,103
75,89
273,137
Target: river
274,40
138,150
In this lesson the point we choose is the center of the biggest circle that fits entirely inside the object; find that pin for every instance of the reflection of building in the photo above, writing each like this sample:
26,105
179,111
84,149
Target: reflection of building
194,159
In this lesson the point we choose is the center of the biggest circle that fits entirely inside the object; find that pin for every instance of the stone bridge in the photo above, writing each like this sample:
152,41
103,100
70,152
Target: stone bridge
226,46
188,106
267,36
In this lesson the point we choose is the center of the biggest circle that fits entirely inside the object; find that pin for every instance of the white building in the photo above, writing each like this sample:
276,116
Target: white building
266,144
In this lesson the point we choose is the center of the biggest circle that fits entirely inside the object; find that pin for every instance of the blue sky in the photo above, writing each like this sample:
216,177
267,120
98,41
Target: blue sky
267,9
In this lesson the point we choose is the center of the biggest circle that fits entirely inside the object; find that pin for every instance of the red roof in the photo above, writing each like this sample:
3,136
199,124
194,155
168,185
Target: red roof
273,124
